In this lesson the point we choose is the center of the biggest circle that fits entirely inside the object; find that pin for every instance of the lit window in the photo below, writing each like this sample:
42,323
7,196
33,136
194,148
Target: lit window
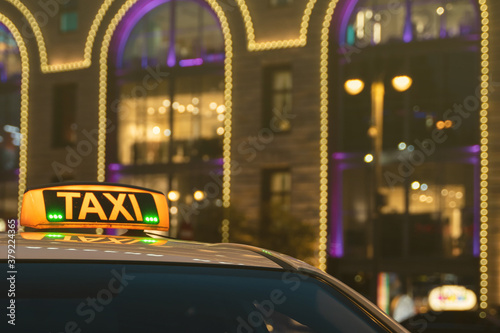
69,21
169,109
276,194
69,16
180,117
420,124
278,89
177,33
395,21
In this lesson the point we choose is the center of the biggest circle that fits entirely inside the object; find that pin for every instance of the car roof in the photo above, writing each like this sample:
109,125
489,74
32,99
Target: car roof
71,246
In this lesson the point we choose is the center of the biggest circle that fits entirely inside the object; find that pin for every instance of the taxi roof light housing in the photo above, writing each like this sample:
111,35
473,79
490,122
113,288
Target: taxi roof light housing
94,205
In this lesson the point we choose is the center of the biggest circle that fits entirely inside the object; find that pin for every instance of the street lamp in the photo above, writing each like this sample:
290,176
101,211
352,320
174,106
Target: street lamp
402,83
354,87
173,195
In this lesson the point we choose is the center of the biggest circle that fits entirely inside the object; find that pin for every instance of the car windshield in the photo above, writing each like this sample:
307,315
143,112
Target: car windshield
124,297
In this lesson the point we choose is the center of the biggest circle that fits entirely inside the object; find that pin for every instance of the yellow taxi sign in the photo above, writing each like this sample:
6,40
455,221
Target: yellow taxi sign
98,205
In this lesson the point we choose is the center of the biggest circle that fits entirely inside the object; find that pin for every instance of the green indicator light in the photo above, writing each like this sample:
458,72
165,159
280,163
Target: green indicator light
55,236
55,217
151,220
149,241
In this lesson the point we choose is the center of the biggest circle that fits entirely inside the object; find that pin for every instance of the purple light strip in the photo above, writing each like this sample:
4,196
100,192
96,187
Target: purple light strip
336,249
473,149
343,156
408,28
477,203
190,62
346,15
218,161
215,57
172,59
114,175
115,167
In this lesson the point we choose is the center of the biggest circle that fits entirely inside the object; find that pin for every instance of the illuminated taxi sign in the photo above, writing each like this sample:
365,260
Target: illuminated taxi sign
84,206
94,206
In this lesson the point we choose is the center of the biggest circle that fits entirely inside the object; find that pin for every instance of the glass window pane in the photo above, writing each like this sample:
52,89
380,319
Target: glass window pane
280,182
277,92
282,80
149,40
385,21
213,43
10,61
69,21
188,30
144,128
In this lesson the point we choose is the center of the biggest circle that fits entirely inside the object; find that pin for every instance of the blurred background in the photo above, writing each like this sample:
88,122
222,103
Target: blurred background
357,135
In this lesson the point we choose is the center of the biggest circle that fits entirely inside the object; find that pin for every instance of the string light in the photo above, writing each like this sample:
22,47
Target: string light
484,156
25,72
278,44
323,174
70,66
36,31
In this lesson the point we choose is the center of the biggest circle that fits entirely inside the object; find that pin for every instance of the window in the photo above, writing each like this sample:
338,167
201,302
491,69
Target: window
177,33
180,117
155,130
64,99
69,16
278,89
386,21
200,299
276,194
438,85
419,194
168,63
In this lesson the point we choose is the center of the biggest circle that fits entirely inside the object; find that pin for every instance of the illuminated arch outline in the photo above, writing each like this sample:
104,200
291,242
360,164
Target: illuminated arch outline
228,70
25,70
279,44
87,54
325,33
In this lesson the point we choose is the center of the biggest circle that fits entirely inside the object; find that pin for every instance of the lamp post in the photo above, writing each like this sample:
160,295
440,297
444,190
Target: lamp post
355,86
400,83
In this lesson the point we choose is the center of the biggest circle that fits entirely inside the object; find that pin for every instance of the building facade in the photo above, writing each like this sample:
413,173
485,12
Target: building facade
358,135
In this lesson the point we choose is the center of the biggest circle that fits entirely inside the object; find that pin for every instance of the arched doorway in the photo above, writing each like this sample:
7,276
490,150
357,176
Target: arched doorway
167,100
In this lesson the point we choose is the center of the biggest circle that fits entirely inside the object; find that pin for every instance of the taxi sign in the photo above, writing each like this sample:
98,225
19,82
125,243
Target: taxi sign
101,205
